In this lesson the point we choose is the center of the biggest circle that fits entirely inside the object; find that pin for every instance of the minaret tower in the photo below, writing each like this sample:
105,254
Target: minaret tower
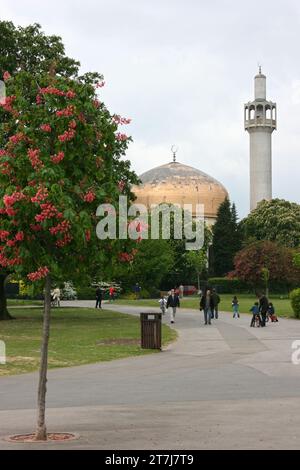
260,122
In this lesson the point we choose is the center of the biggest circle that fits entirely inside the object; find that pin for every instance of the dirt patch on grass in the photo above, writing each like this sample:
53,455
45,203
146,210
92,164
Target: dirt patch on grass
118,342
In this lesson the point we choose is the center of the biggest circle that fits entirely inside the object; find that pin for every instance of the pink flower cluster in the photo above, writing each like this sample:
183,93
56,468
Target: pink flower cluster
63,227
41,195
6,76
50,90
68,111
58,157
7,103
54,91
96,104
45,127
39,274
15,139
67,238
67,135
48,212
121,137
100,84
4,234
127,257
5,262
120,120
34,157
90,196
13,198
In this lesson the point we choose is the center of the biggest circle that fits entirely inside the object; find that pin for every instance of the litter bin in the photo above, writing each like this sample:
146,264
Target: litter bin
151,330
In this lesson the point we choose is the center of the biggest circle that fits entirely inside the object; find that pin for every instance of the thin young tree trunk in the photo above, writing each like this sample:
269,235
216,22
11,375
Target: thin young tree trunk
4,314
41,431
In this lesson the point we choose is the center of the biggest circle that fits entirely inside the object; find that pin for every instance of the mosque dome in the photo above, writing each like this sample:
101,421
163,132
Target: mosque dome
175,183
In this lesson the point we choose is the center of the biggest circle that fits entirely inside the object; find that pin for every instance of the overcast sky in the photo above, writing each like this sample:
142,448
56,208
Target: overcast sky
182,70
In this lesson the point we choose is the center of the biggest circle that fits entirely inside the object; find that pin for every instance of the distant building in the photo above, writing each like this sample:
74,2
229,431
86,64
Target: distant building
175,183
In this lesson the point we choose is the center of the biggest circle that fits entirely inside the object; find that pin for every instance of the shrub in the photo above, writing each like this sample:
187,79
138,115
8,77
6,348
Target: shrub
295,301
86,293
225,285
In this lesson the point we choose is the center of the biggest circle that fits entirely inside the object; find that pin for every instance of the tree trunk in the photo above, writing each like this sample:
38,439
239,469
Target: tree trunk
4,314
198,277
41,431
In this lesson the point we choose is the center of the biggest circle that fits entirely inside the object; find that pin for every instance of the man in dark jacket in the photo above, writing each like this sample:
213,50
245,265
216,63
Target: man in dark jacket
173,302
263,308
216,299
207,305
98,297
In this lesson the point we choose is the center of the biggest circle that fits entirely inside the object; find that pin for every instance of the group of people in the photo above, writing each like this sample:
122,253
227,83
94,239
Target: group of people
209,303
262,311
99,296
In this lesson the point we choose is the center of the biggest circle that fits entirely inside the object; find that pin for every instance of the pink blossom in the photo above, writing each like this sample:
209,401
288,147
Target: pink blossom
7,103
90,196
48,212
39,274
70,94
67,136
6,76
63,227
68,111
121,137
52,91
58,157
34,157
100,84
120,120
45,127
41,195
15,139
67,238
4,234
19,236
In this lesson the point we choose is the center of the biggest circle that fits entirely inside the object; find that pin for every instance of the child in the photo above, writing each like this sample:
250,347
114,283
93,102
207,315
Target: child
271,313
163,304
256,315
235,306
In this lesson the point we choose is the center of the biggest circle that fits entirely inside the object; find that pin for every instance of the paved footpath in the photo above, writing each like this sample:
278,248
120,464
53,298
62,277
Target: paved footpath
225,386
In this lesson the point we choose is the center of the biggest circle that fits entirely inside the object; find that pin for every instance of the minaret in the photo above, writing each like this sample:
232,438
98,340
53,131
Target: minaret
260,122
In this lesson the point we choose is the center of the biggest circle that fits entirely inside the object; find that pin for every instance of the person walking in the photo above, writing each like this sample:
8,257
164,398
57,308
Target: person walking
56,296
255,315
111,294
263,308
207,305
163,304
235,307
99,297
172,303
217,300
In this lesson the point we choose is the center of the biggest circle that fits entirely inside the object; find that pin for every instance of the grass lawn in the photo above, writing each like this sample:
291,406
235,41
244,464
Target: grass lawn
20,302
282,306
78,336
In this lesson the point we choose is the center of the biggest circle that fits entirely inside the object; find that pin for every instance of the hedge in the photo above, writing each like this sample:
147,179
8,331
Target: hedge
295,301
229,286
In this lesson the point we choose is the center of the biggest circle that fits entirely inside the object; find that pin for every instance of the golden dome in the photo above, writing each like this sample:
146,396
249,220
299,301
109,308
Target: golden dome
175,183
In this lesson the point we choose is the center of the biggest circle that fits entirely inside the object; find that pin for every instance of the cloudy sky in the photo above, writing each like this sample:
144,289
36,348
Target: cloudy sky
182,70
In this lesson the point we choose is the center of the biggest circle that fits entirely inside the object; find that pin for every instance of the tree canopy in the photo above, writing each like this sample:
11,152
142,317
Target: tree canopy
276,220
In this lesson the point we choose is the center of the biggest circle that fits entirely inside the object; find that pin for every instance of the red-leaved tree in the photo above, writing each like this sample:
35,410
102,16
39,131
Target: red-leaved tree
278,260
60,152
